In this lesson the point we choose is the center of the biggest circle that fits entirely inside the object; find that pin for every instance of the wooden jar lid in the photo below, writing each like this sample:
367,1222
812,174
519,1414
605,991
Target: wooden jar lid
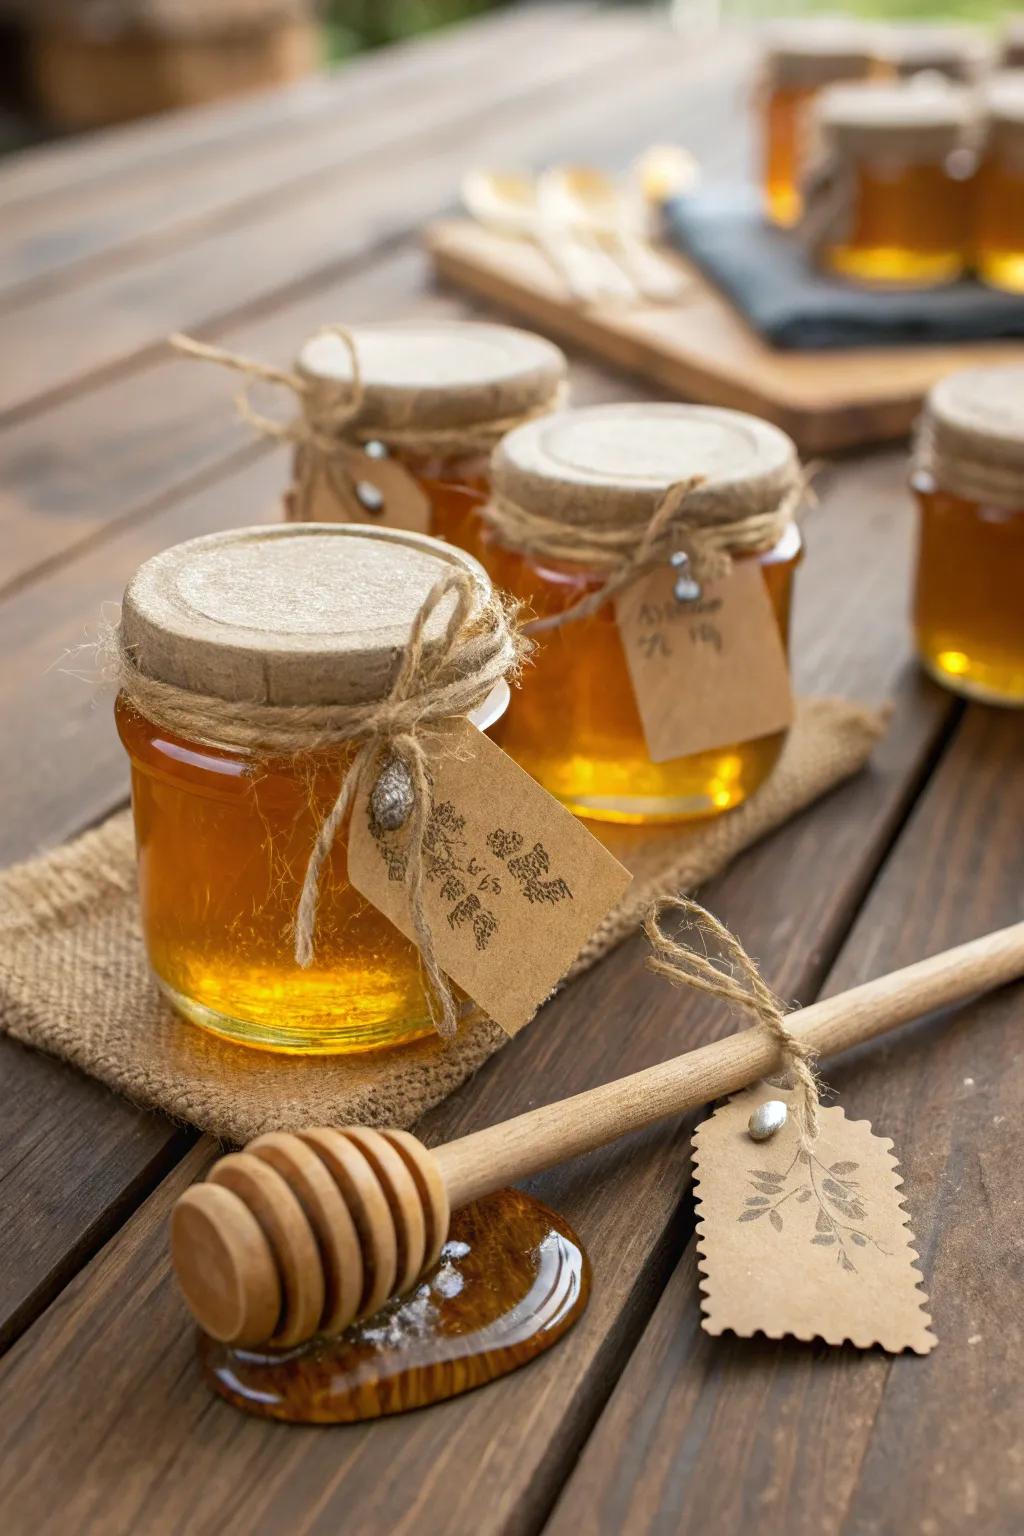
439,374
300,613
1003,109
904,120
972,435
611,464
809,53
958,52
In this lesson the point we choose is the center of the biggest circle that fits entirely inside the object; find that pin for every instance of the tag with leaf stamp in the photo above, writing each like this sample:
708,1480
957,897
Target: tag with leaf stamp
708,672
813,1243
514,883
386,494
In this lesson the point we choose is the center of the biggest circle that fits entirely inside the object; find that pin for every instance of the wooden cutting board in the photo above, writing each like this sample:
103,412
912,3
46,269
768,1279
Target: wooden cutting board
703,350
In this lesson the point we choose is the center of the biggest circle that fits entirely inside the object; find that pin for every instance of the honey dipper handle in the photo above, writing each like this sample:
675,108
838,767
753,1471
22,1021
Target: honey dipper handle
489,1159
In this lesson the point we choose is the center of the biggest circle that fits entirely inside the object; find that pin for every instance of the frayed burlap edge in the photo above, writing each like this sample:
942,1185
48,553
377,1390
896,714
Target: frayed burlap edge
74,980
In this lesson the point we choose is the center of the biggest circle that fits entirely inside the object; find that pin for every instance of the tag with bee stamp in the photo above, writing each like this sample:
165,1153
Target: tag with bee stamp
811,1241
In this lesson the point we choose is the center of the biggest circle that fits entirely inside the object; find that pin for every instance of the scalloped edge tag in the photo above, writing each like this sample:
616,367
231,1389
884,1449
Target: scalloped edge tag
807,1244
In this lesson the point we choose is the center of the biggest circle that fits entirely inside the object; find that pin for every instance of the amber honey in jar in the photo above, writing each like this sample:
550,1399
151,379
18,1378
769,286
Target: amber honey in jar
799,60
998,238
969,483
892,202
434,397
591,480
240,631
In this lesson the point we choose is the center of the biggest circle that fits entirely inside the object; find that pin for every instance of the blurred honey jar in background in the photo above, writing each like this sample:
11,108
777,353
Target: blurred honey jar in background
889,200
246,656
1011,43
998,236
968,479
800,58
956,52
656,544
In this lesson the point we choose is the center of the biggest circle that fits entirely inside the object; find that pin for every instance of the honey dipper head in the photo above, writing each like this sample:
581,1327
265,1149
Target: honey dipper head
303,1234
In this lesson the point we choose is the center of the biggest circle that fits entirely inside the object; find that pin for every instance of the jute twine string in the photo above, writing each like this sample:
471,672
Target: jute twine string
481,645
327,430
975,475
675,527
736,980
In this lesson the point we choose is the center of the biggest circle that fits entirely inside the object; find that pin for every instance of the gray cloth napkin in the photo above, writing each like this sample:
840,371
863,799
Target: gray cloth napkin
765,272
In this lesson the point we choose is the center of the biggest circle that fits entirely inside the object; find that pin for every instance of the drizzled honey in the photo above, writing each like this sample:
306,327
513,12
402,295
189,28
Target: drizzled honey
577,727
799,61
969,485
290,615
998,235
898,180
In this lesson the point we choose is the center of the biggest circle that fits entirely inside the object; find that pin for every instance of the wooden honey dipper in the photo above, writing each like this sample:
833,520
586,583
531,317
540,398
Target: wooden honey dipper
303,1234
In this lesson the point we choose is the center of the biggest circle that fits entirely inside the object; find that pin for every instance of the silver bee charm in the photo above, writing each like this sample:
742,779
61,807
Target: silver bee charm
369,498
686,589
391,799
767,1118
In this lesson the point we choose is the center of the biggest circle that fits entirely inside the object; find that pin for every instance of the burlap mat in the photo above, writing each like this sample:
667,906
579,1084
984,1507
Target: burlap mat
74,980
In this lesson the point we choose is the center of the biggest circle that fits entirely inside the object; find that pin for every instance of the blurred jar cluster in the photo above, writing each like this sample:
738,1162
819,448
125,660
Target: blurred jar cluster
897,151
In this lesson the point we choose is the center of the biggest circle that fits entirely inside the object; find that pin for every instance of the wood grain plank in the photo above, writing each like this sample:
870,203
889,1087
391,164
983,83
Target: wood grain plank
43,173
463,1466
274,253
822,1441
67,237
121,447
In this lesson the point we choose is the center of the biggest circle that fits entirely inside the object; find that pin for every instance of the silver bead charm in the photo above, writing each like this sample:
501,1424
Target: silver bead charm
375,449
686,589
369,498
767,1118
391,798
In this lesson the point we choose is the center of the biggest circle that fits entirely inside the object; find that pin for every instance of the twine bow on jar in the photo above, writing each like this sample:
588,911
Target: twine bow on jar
331,433
736,980
435,683
678,532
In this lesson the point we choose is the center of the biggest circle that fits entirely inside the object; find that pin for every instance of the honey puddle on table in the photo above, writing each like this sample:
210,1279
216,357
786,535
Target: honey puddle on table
512,1279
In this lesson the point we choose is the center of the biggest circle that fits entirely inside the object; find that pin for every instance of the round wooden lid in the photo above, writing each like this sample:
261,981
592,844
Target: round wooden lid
439,374
299,613
973,432
613,463
812,52
957,51
1003,109
907,118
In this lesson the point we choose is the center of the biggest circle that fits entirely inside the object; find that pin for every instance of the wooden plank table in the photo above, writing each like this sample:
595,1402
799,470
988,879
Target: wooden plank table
252,224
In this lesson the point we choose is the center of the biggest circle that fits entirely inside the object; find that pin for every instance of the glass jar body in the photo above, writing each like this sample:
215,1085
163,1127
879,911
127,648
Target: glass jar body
998,236
969,594
908,224
576,727
223,842
785,112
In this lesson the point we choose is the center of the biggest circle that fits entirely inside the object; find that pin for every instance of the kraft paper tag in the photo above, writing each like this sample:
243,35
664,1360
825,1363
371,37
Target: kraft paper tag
387,494
515,884
707,673
810,1243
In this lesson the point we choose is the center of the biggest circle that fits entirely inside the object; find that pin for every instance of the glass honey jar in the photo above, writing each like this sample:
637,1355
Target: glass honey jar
799,60
226,642
891,201
600,474
968,480
998,235
434,399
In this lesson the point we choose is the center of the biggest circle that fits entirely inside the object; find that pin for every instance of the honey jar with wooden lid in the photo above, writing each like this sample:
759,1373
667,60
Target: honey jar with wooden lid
889,201
395,422
799,60
998,233
250,663
656,545
434,399
968,479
